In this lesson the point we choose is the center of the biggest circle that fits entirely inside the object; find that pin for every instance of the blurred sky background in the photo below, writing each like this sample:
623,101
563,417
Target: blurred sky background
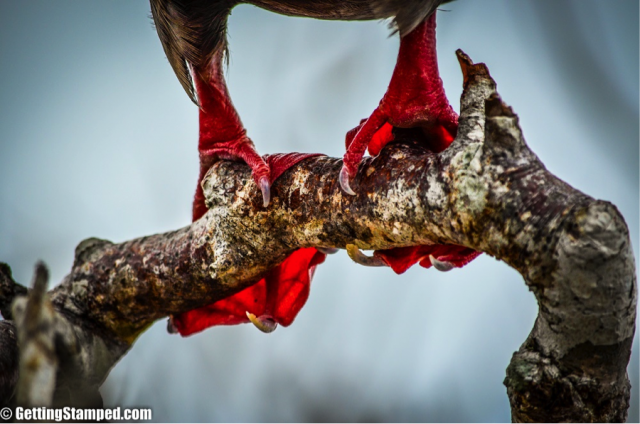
98,139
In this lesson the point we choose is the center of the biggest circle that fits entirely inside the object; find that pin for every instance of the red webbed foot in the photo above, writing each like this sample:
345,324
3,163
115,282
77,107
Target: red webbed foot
274,299
443,257
415,98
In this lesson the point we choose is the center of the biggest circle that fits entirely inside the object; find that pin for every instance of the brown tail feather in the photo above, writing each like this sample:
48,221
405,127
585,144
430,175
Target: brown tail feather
191,33
407,14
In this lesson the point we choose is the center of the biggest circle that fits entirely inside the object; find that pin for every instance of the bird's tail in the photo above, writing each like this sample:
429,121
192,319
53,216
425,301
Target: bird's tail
193,34
407,14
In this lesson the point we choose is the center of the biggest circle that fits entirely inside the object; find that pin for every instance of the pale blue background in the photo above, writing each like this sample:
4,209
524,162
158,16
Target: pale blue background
97,138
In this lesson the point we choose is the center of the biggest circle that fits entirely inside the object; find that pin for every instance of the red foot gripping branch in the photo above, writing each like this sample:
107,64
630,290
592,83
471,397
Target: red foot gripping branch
415,98
193,35
277,297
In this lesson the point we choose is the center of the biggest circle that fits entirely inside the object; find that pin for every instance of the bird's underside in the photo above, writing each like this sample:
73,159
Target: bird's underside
193,34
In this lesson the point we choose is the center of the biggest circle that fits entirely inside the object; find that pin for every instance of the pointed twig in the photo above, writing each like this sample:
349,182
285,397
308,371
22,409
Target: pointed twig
38,361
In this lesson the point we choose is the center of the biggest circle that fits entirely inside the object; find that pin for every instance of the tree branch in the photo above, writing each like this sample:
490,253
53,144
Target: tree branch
487,191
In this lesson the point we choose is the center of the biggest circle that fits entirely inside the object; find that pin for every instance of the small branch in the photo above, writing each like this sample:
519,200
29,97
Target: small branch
60,363
38,362
487,191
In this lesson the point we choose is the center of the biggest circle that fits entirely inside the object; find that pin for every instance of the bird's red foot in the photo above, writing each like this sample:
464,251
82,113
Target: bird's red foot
280,294
238,149
415,98
222,136
277,297
443,257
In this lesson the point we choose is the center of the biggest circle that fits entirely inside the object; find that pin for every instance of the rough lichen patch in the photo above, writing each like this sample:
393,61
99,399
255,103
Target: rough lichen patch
469,188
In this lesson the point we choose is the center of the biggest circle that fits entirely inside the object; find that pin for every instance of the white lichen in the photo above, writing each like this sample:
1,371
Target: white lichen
469,188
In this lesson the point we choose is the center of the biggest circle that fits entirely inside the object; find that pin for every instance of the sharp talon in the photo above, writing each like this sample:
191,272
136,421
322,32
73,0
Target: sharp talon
263,323
441,265
327,250
265,187
344,181
360,258
171,327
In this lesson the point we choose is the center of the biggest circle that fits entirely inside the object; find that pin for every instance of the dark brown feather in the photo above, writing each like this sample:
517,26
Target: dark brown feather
407,14
191,32
352,10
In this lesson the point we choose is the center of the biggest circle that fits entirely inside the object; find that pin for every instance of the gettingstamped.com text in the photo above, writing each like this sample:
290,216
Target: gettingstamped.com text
75,414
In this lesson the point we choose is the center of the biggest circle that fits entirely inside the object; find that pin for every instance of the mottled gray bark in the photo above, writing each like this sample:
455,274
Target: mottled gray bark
487,191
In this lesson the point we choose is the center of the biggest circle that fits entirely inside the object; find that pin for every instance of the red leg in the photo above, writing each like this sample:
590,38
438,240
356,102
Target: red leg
223,136
415,98
278,297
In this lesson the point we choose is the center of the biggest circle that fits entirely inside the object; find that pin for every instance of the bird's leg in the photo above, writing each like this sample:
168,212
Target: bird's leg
222,135
415,98
278,297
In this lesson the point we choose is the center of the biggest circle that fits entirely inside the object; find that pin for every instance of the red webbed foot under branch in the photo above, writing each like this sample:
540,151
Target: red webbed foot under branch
443,257
415,98
274,299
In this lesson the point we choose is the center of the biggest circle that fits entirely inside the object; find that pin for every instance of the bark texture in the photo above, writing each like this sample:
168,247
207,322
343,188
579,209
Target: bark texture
487,191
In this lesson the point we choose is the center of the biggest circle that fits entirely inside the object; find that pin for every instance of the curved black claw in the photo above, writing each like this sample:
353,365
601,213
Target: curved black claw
263,323
327,250
344,181
265,187
443,266
171,327
360,258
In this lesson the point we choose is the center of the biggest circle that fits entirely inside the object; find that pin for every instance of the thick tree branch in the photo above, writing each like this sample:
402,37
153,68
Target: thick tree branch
487,191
